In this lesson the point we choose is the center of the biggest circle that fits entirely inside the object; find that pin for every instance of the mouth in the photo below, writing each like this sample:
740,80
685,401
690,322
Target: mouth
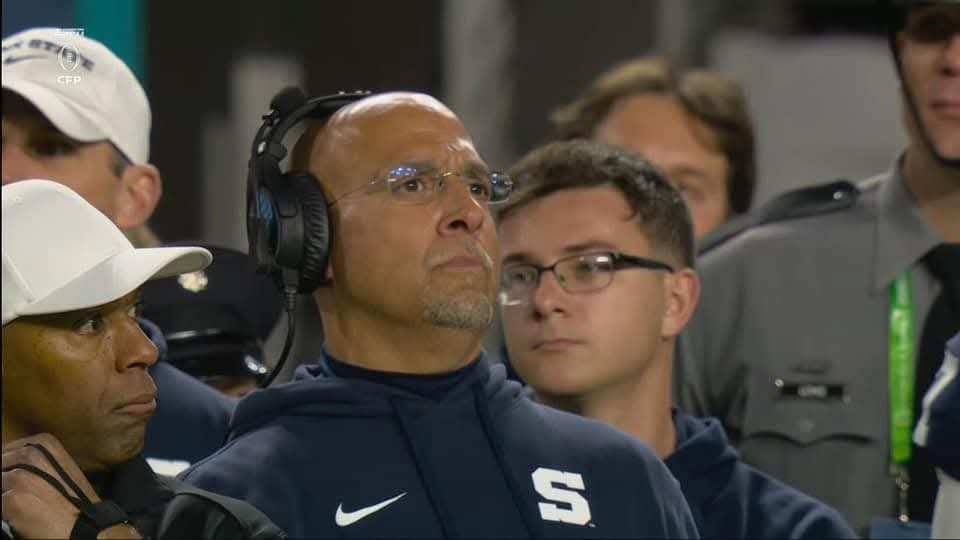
141,405
556,345
947,107
462,262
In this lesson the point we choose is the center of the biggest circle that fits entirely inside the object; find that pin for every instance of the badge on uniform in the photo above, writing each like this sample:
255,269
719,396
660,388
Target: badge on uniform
886,527
818,391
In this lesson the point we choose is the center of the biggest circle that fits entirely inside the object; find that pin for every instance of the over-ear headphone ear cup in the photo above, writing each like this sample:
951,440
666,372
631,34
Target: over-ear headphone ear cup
317,237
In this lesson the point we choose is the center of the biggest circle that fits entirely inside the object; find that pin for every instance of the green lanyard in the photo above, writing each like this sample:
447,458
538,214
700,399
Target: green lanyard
902,352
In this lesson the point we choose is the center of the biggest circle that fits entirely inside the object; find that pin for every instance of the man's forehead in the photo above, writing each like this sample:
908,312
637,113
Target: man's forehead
569,220
393,132
393,102
65,320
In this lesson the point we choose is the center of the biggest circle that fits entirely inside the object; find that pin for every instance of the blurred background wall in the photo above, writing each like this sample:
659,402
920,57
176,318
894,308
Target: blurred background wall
818,75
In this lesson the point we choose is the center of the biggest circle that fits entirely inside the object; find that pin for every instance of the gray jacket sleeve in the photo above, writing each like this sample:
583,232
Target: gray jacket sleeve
710,370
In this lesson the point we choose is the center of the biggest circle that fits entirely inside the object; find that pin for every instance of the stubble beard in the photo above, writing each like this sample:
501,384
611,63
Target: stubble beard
468,307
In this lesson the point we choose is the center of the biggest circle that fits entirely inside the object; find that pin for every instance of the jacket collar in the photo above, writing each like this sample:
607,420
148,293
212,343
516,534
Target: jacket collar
902,233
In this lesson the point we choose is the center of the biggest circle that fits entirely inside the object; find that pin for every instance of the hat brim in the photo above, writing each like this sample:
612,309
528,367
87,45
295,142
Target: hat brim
118,276
71,120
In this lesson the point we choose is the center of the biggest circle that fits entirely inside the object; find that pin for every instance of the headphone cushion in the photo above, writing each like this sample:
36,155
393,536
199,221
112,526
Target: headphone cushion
316,231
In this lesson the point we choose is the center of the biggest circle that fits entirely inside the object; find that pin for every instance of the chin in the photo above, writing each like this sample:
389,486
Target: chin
124,445
945,137
123,453
550,377
463,311
949,151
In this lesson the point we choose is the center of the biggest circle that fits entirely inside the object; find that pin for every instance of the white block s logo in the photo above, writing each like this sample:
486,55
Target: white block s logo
545,481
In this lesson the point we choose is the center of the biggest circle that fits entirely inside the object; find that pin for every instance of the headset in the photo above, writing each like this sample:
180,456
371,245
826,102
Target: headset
288,228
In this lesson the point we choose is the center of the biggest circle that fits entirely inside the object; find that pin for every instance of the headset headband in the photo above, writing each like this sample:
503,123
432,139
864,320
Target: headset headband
268,201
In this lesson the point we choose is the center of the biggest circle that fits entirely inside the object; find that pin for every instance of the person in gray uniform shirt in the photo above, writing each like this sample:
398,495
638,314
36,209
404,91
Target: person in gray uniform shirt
824,314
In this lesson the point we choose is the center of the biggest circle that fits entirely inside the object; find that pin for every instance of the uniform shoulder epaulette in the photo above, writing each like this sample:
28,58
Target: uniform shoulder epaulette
803,202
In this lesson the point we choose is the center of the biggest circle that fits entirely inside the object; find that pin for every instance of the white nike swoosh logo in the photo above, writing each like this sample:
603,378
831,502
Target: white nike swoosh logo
349,518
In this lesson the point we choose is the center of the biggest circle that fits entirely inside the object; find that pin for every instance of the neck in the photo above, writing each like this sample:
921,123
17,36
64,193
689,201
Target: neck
371,342
936,189
12,432
638,405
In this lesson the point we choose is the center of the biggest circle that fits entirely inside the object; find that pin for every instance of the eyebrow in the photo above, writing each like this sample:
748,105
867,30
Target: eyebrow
419,165
687,171
476,168
573,249
473,168
590,245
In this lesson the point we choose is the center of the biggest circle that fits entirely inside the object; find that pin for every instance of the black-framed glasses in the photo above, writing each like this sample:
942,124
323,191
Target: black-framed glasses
414,185
576,274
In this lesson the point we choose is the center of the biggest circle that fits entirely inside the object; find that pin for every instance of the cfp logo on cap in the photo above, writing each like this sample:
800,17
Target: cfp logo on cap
69,57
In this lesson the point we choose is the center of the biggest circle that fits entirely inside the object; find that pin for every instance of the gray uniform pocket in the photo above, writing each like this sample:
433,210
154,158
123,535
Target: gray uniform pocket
825,437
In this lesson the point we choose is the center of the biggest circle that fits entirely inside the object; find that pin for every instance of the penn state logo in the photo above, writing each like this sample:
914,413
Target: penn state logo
563,492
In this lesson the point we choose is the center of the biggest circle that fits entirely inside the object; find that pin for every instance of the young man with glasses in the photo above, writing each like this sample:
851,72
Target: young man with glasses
598,251
404,428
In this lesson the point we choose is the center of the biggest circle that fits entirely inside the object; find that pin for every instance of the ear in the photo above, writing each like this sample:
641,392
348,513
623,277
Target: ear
683,293
138,196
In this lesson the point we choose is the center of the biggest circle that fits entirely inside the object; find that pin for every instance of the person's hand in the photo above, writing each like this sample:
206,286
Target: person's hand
121,530
33,507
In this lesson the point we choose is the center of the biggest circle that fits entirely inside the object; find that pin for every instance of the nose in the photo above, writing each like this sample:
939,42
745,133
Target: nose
135,348
18,165
951,58
461,211
549,298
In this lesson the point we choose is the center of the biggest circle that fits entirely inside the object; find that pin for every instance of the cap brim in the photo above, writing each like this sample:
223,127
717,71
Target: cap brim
120,275
70,119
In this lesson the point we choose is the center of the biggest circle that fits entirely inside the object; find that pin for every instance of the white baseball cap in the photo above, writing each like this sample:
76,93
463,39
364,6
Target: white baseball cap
62,254
81,87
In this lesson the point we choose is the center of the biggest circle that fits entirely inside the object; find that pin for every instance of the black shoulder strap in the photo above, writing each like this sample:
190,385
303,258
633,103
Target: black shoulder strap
803,202
233,518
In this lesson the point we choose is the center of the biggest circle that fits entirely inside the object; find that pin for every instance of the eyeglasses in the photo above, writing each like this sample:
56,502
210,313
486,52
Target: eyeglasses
413,185
934,24
576,274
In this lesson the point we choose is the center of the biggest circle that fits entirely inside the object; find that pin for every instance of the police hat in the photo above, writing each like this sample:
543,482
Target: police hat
215,320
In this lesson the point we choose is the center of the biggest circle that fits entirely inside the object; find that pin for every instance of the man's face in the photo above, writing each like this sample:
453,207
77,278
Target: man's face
929,48
658,128
82,377
34,148
432,263
574,344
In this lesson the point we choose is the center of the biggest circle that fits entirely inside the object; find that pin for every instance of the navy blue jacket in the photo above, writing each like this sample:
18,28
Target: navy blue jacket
730,499
326,456
939,427
192,418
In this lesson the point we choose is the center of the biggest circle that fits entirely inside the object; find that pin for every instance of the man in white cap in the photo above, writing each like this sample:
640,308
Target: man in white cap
76,391
74,113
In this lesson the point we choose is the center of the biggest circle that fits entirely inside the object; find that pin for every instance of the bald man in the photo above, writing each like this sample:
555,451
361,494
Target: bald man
405,428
